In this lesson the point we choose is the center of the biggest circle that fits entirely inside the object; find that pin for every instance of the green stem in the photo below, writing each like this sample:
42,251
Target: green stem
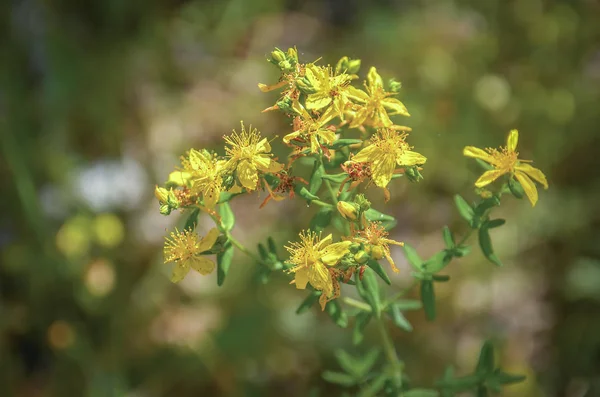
358,304
321,203
331,191
390,352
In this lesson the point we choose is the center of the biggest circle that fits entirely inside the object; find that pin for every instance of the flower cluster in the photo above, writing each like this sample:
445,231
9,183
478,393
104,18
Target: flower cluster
337,124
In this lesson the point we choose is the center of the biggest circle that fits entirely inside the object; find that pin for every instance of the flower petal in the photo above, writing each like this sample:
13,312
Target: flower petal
407,157
301,278
263,146
326,136
210,194
202,265
334,252
320,278
489,177
324,242
179,271
179,178
317,100
382,170
366,155
395,106
291,135
356,94
534,173
512,140
209,240
476,153
528,187
373,78
247,174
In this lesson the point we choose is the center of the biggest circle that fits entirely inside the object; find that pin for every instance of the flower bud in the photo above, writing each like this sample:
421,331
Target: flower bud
161,194
353,66
395,86
362,202
292,55
278,56
413,174
361,257
377,252
305,86
348,210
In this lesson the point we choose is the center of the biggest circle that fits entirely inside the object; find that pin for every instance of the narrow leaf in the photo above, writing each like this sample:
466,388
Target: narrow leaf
307,303
338,378
377,268
485,364
448,237
348,363
373,388
316,178
337,314
421,393
371,288
428,299
464,209
360,322
413,258
387,221
337,178
192,219
340,143
227,217
495,223
398,318
223,263
485,242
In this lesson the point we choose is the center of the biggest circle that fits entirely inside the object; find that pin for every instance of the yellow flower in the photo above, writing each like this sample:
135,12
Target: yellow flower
377,104
387,149
309,130
205,178
376,242
184,248
249,155
311,258
329,89
505,161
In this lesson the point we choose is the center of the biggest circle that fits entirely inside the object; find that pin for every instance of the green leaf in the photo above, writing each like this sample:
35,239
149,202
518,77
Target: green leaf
398,318
307,303
428,299
360,322
348,363
484,165
262,251
440,278
482,392
308,196
321,219
227,217
374,387
413,258
192,220
366,362
337,314
506,378
421,393
387,221
225,197
515,188
463,383
223,263
408,304
495,223
448,237
437,262
486,204
337,178
338,378
272,246
485,242
316,178
377,268
464,209
340,143
485,364
371,291
448,375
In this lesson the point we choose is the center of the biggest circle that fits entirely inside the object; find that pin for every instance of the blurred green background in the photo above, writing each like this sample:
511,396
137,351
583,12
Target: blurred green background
98,99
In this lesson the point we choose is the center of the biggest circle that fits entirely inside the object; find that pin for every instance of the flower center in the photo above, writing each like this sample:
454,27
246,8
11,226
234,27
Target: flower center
505,159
